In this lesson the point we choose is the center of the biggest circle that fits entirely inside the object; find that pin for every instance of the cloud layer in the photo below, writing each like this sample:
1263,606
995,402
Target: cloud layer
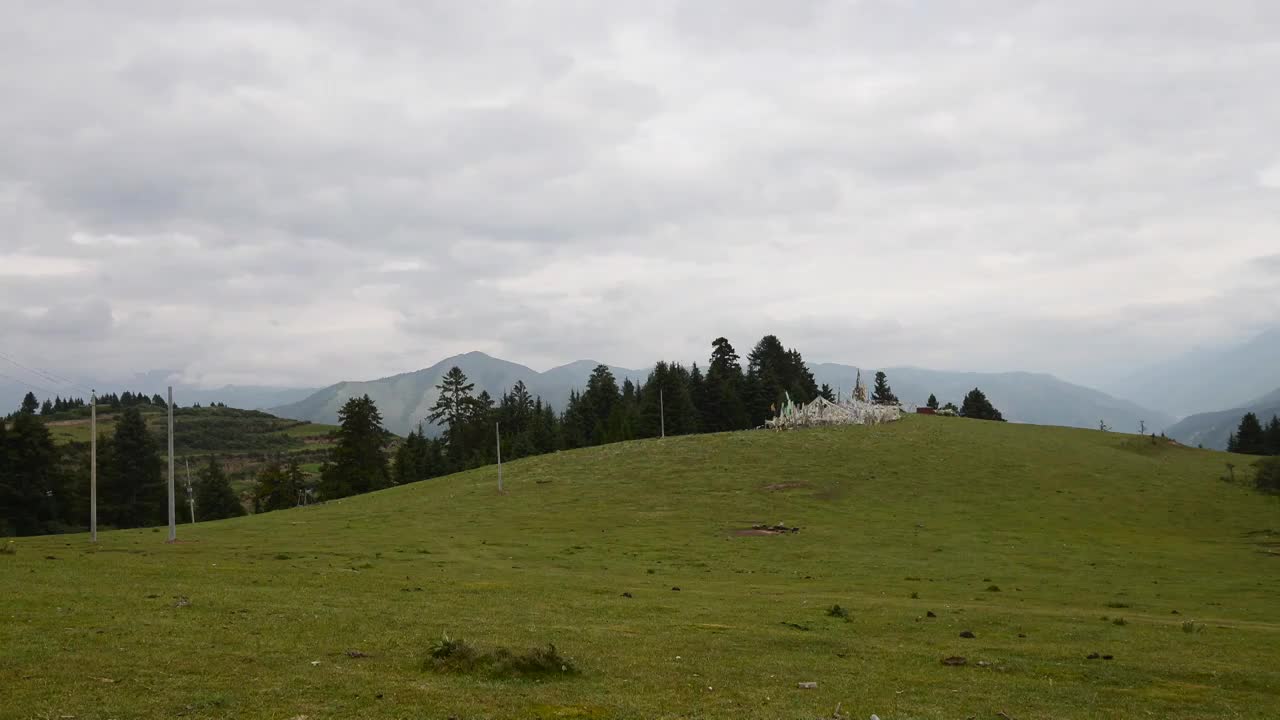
320,191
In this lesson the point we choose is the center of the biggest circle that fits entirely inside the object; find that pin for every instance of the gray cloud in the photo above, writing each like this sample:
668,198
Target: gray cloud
308,192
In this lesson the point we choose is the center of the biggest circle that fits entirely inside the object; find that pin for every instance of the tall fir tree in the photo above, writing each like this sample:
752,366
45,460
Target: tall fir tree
31,483
133,492
357,463
933,402
215,499
1273,436
29,404
666,401
1249,438
881,393
452,408
725,405
977,406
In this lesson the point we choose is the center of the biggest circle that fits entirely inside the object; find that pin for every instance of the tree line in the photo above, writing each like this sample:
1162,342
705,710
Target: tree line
673,400
1251,438
42,486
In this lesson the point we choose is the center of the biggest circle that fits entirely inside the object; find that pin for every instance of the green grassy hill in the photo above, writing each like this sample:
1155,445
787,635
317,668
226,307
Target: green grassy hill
1039,541
243,440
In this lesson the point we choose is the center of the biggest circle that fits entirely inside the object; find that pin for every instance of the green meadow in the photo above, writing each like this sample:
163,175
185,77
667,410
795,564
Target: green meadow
1047,545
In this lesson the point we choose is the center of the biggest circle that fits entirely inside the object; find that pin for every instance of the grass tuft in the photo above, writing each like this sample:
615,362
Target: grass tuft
838,612
460,657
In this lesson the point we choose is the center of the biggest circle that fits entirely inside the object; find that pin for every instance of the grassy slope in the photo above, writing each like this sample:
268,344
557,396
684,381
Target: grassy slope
1063,521
261,429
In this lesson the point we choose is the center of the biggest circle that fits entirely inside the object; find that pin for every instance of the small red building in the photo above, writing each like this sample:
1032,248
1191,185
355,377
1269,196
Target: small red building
924,410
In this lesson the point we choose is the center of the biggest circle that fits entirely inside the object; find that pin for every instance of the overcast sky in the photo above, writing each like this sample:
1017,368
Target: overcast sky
326,191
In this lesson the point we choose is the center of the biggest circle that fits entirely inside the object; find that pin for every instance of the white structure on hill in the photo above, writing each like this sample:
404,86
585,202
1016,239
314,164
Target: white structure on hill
824,412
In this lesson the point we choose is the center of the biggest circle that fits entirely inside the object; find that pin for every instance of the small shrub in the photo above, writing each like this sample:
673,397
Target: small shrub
915,596
993,588
458,656
1267,479
1120,621
837,612
282,556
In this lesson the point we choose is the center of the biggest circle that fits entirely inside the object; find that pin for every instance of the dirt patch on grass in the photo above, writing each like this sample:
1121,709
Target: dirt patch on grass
761,530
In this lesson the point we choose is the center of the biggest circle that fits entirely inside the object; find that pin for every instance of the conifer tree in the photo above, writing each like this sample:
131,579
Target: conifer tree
977,406
827,392
881,394
31,485
933,402
132,492
357,463
1249,438
29,404
215,499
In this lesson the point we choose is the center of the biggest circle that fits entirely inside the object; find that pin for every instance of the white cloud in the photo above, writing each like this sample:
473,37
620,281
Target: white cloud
241,193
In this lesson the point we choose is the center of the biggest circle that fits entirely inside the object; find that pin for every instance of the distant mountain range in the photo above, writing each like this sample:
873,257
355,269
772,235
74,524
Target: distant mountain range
1206,379
406,399
1212,429
1035,398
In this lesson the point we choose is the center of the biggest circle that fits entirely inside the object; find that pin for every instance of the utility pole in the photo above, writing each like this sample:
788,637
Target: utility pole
662,414
93,466
191,498
173,521
498,435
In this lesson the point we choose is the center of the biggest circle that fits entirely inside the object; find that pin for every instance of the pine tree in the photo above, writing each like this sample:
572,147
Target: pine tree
1249,438
215,499
977,406
598,402
132,491
268,495
881,394
932,403
667,395
29,404
46,407
452,406
827,392
724,405
1273,436
30,480
357,463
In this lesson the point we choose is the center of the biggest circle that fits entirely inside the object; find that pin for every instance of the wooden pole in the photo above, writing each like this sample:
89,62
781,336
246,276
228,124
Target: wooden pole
93,466
173,518
498,435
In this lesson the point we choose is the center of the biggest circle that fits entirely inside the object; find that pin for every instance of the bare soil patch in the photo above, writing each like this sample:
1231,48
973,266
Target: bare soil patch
783,486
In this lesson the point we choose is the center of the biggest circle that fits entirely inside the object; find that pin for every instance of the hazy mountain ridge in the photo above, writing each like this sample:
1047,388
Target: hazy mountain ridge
1206,379
406,399
1212,429
1036,398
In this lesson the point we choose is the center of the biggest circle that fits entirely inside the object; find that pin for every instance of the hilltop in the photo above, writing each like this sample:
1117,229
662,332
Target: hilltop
1049,545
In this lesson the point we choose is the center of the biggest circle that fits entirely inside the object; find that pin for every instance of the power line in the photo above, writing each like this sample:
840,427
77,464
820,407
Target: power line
29,385
55,379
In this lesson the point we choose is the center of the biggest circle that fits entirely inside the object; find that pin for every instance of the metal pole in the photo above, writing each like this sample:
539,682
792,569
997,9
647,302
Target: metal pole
662,414
93,466
173,520
498,434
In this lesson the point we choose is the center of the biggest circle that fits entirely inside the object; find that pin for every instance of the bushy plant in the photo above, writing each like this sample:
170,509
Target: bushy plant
1268,475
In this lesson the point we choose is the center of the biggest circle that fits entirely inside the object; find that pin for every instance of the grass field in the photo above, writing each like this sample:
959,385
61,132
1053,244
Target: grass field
1038,541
